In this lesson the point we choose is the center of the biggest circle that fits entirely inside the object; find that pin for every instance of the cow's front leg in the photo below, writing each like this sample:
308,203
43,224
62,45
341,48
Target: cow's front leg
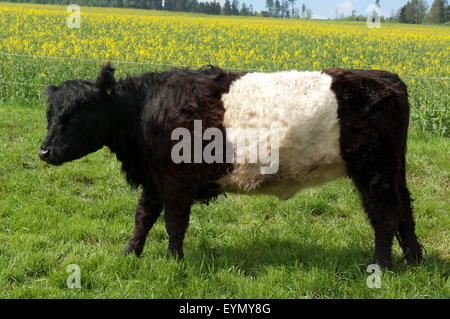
147,212
177,211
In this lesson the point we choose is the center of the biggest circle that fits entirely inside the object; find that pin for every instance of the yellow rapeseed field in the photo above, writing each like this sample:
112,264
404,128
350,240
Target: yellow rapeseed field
37,48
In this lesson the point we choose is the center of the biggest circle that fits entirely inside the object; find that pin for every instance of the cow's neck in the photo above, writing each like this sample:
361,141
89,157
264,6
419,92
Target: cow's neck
126,132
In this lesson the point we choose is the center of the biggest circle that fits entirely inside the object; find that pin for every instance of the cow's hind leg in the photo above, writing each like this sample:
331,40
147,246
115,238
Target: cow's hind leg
406,235
374,162
382,203
147,212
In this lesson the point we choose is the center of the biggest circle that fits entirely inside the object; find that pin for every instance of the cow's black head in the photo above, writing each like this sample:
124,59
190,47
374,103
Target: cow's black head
78,117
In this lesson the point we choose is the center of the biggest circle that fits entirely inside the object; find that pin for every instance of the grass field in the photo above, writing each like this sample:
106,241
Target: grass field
316,245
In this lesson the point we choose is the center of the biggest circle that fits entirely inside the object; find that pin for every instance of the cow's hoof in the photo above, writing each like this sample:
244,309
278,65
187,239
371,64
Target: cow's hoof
177,254
127,250
383,263
413,261
131,248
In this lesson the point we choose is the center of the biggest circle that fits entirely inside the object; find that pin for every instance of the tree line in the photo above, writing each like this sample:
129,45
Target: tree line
416,11
285,9
233,7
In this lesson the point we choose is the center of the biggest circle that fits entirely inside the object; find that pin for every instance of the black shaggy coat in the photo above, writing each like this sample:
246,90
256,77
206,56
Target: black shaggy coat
142,141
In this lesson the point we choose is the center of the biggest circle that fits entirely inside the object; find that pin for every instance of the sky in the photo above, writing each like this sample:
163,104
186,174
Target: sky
323,9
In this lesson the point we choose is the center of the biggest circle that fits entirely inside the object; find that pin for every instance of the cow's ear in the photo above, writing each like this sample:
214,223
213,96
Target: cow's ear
105,80
50,89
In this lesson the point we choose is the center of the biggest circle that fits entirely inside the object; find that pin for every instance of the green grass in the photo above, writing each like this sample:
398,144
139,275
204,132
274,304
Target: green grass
316,245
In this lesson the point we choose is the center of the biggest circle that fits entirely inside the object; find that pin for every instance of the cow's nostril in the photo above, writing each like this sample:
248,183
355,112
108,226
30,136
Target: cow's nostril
43,154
